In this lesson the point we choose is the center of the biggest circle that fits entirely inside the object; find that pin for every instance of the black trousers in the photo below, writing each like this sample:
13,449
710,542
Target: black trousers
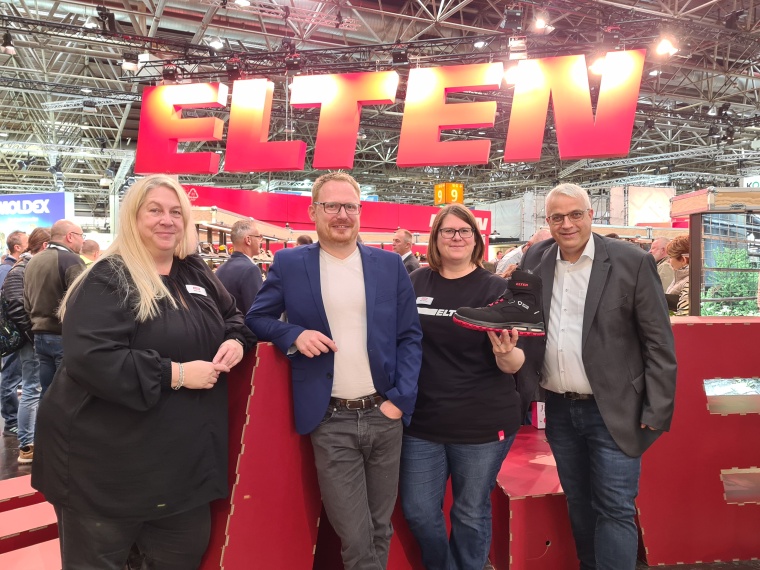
90,542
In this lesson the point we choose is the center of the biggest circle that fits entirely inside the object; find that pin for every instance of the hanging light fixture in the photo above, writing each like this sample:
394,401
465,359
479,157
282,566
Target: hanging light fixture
8,44
91,23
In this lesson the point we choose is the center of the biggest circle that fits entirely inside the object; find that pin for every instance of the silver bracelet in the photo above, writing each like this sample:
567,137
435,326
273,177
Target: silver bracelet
181,380
240,342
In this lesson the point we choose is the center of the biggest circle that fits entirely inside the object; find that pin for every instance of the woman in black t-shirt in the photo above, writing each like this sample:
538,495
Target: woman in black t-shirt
468,409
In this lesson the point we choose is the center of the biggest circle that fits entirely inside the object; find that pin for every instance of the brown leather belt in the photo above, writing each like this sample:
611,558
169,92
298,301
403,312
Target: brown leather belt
364,403
576,396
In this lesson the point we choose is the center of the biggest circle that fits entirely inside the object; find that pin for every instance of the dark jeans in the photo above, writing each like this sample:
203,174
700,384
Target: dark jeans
357,455
10,378
49,351
425,470
600,483
89,542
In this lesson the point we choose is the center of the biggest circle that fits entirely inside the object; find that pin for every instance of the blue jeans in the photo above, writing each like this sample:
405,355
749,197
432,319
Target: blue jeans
357,456
49,351
10,378
600,483
425,468
30,394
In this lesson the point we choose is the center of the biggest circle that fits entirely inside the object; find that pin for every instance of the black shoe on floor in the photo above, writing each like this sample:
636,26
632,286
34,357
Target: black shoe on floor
518,308
10,431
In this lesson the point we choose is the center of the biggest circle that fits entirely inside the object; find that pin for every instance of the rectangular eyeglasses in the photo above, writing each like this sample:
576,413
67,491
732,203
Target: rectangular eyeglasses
334,207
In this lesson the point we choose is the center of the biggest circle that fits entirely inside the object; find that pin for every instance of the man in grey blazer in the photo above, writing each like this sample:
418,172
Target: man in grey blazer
609,370
402,244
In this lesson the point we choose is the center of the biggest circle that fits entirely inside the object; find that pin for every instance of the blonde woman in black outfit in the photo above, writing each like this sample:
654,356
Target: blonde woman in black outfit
131,442
467,410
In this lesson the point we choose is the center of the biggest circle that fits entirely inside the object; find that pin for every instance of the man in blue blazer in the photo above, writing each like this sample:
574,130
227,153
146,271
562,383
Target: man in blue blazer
354,341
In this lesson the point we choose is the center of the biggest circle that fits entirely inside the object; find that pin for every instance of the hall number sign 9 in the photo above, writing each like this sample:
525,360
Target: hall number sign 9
449,193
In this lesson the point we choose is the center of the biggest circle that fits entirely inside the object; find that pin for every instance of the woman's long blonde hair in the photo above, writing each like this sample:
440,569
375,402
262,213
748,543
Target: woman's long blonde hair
136,268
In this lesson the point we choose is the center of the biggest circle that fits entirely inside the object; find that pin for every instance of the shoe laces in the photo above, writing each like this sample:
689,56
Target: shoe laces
496,302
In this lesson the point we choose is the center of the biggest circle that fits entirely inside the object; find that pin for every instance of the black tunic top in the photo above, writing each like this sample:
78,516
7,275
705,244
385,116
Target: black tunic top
112,437
462,397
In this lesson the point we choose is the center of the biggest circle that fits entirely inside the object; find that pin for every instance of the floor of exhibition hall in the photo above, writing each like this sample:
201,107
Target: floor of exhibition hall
9,468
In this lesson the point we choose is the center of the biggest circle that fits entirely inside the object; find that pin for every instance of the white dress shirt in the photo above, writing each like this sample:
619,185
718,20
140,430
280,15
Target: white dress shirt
563,365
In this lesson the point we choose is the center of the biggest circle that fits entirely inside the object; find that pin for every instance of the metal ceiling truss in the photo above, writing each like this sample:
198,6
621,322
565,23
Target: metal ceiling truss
710,86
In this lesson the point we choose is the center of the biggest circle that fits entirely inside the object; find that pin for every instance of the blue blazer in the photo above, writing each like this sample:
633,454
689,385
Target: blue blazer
394,336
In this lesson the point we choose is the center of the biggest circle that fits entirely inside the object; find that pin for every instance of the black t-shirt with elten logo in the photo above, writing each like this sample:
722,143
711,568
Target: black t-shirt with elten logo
463,396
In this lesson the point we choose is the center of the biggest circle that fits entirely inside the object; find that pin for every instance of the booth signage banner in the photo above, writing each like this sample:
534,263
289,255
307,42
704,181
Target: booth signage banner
28,211
581,132
280,209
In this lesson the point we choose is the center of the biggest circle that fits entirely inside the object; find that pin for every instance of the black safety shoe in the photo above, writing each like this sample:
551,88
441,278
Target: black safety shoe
518,308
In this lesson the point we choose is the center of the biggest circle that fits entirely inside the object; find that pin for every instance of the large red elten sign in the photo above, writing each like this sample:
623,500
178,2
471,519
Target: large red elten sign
340,98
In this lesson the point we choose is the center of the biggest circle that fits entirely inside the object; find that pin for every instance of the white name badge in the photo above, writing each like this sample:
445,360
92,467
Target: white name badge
424,300
196,290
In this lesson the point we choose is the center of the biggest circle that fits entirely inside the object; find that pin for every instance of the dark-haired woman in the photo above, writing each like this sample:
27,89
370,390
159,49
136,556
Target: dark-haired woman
468,409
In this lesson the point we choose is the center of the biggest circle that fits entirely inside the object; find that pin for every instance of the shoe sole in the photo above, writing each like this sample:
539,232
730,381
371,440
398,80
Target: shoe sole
25,461
525,329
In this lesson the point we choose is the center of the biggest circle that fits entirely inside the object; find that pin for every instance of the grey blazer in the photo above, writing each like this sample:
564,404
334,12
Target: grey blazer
628,347
411,263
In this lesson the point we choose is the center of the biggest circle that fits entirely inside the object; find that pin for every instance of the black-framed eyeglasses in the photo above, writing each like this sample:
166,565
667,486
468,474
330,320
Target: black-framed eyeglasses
334,207
464,233
574,216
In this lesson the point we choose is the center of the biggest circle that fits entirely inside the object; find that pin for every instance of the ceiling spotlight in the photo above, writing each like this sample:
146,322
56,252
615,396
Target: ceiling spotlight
89,107
8,44
293,62
649,123
732,20
361,135
216,43
400,55
511,20
288,45
723,109
130,61
541,25
91,23
518,48
654,73
480,44
714,131
110,170
85,90
339,20
170,72
242,3
666,47
234,68
730,132
107,17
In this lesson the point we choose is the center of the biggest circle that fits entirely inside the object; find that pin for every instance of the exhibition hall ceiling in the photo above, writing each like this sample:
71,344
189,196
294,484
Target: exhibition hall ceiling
72,73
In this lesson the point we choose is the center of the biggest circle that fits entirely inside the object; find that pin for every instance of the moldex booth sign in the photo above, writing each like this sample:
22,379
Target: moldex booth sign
28,211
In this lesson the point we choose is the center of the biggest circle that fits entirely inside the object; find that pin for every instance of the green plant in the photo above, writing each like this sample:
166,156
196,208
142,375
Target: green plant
732,284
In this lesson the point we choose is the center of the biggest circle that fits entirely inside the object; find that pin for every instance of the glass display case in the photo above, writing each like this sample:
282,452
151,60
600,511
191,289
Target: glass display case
724,236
